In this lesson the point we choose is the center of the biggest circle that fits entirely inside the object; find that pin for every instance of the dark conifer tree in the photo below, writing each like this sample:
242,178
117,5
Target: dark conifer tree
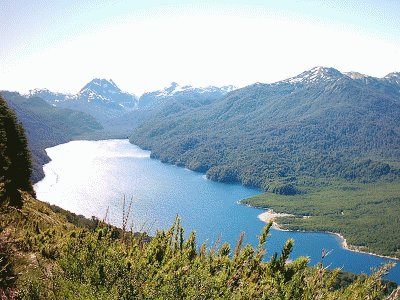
4,161
15,164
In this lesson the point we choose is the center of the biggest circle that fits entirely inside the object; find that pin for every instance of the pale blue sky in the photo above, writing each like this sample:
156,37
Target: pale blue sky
144,45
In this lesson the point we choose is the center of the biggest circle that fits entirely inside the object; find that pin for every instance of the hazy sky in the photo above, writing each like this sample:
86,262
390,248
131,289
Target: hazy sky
145,45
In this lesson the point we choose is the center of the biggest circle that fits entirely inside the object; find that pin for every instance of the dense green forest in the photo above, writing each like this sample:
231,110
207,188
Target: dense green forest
47,126
268,135
49,253
367,215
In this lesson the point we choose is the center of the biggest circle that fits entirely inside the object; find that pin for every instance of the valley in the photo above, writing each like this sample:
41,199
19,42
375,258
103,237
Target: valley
159,192
200,150
322,144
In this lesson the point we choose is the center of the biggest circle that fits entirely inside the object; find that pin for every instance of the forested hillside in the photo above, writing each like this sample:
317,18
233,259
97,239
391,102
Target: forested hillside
47,126
321,123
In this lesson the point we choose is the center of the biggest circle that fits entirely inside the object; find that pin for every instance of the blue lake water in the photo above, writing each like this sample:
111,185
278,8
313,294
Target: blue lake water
92,177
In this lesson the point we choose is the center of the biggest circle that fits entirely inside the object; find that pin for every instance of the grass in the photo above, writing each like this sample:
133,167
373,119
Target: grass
367,215
33,235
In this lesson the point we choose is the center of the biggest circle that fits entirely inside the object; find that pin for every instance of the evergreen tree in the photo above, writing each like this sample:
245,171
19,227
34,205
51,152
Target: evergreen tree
15,158
4,161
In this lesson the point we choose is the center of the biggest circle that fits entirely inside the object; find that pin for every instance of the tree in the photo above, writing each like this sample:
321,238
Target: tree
15,158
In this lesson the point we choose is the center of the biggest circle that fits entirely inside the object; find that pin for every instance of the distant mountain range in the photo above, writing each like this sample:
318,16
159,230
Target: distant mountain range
321,123
165,102
104,100
189,95
100,97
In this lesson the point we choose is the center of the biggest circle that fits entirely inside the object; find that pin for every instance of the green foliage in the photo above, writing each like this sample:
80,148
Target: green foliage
7,274
77,220
97,266
100,264
16,164
365,214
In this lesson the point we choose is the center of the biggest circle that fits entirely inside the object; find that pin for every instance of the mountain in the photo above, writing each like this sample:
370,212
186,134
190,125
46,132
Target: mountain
394,79
47,126
100,98
320,123
119,112
163,103
48,96
186,95
106,92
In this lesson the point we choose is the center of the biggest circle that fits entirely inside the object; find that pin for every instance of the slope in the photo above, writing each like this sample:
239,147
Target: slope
321,123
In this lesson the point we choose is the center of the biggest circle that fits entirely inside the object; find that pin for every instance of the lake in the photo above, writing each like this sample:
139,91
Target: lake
92,178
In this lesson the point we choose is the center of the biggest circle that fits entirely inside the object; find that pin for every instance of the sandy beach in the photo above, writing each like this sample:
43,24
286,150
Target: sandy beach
270,215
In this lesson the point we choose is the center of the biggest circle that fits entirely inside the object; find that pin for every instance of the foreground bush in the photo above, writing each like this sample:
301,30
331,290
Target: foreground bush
110,264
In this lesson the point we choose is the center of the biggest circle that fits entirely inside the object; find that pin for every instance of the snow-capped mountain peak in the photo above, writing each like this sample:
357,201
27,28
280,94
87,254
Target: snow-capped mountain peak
175,91
393,78
315,75
101,86
36,91
104,90
100,97
175,88
355,75
47,95
228,88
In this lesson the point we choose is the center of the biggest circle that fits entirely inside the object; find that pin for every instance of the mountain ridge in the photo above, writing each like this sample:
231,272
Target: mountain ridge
266,132
104,100
164,102
100,98
198,94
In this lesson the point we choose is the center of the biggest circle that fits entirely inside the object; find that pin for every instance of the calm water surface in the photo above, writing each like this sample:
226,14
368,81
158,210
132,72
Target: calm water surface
92,177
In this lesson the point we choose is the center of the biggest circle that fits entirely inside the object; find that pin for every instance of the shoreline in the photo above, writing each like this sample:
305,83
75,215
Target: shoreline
270,215
265,216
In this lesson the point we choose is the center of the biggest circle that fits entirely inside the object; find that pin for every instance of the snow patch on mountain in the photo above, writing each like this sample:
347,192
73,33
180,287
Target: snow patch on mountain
175,88
315,75
393,78
355,75
184,93
100,97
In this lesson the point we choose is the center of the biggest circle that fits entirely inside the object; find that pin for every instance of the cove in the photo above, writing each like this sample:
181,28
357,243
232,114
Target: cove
92,177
